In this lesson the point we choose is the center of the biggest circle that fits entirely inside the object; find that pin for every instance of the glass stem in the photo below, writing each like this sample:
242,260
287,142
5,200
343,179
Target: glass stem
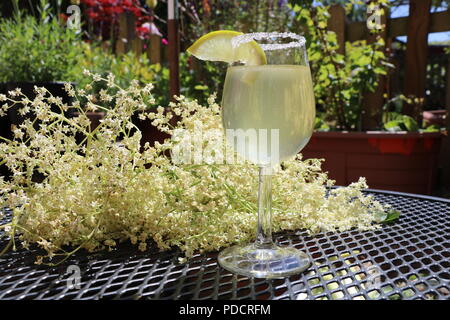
264,231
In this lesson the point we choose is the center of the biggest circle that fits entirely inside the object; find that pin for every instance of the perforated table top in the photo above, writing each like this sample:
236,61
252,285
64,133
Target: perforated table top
408,259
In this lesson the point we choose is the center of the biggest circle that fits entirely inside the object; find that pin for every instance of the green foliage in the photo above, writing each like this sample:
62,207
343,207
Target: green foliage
201,17
394,120
195,83
401,123
37,49
431,128
200,79
126,68
320,124
340,79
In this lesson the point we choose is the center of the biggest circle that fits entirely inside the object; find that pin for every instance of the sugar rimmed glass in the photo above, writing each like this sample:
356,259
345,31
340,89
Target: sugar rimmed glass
268,114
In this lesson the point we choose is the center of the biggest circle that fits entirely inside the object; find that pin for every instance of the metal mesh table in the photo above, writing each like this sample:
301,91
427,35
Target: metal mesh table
408,259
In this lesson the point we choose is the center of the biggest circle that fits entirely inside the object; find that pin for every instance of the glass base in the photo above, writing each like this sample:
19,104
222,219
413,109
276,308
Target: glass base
259,261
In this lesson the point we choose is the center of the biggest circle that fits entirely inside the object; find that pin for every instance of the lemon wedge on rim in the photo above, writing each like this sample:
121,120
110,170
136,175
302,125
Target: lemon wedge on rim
216,46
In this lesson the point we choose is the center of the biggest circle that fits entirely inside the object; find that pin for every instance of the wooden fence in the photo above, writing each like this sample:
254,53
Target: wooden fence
128,40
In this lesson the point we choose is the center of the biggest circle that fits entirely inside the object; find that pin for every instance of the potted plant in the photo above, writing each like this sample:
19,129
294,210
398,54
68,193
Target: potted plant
397,155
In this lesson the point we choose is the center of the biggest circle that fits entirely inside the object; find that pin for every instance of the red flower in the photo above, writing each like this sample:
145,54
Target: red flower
89,3
142,31
93,15
104,15
117,10
108,8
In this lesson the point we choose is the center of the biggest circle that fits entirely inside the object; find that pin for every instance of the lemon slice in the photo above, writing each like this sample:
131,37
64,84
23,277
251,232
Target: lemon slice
216,46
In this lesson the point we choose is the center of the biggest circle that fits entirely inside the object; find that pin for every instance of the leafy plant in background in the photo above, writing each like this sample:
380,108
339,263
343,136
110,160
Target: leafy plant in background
356,9
9,7
126,68
199,80
37,49
340,79
40,48
201,17
394,120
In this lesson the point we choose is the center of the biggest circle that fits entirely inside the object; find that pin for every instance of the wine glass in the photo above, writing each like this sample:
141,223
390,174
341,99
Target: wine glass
268,115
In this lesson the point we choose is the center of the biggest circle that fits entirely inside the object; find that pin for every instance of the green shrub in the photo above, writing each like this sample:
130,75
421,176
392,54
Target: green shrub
125,68
195,83
199,80
37,49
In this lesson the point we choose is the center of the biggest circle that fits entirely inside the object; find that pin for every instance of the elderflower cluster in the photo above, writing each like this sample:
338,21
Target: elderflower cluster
74,187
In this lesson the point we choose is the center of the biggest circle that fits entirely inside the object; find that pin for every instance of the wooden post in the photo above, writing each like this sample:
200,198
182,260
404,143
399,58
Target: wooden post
336,23
416,55
127,32
137,46
174,48
154,50
165,53
373,101
121,45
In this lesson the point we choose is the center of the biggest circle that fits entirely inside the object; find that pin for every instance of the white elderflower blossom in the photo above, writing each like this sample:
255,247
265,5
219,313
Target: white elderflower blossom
101,188
104,96
96,77
110,80
15,93
68,88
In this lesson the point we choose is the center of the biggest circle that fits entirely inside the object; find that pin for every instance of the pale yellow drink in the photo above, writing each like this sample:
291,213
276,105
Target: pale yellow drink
270,97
